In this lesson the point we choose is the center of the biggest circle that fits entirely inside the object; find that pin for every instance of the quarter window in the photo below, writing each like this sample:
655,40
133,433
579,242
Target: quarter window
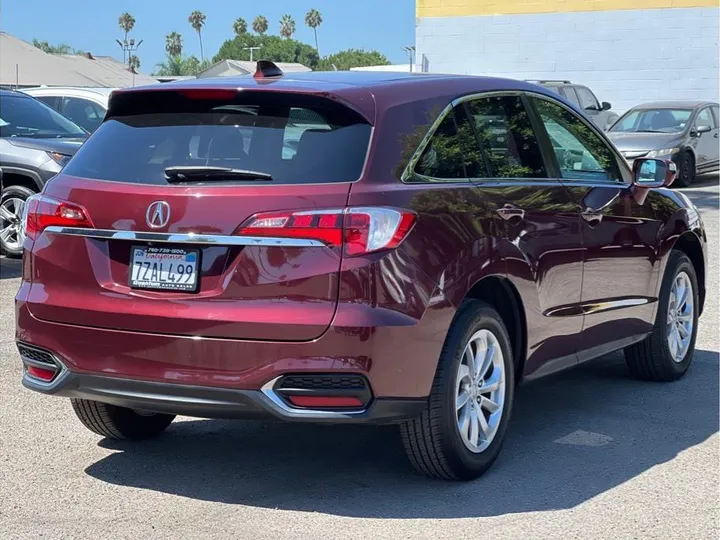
587,99
580,152
507,136
452,153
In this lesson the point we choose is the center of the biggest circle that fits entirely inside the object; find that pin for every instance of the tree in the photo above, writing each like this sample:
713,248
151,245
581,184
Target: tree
313,19
240,26
260,24
127,23
134,63
173,44
287,26
344,60
197,21
178,66
53,49
274,48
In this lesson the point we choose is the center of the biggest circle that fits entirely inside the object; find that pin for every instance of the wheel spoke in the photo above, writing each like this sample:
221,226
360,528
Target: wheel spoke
682,331
474,427
462,399
682,296
483,424
6,233
470,359
686,317
489,405
487,361
481,355
464,422
6,214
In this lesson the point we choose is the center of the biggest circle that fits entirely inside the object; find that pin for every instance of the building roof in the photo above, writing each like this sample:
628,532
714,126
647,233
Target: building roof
229,68
24,65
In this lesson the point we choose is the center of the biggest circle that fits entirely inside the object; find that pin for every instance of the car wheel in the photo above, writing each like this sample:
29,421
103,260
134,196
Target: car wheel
666,354
119,422
12,203
686,170
459,434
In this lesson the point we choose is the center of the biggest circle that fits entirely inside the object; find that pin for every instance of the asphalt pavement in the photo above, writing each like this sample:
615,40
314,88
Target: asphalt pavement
590,453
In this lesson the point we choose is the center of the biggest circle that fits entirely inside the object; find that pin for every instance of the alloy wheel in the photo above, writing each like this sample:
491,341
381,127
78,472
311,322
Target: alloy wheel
11,231
480,391
680,317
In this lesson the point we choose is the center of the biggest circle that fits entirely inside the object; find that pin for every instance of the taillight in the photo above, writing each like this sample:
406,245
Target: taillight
360,230
42,211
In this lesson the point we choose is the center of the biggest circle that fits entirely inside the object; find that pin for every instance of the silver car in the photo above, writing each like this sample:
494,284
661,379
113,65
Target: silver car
684,131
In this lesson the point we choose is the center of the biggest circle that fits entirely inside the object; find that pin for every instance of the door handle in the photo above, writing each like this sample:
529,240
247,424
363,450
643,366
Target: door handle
592,217
715,136
509,212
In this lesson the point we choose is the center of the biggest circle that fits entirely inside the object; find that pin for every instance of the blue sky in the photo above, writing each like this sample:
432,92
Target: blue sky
91,25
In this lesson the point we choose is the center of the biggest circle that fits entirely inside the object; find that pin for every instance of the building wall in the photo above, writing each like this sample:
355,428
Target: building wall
627,51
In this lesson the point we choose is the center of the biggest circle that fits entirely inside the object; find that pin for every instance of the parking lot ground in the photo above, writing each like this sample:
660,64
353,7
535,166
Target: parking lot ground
590,453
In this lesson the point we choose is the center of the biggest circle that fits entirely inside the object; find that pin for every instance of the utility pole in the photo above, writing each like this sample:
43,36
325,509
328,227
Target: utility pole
129,47
251,49
411,52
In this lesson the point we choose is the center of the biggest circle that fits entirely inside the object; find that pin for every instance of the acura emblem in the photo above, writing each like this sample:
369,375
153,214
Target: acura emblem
158,214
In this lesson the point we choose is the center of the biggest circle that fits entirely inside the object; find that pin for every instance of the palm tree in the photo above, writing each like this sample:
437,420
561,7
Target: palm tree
260,24
240,26
173,44
197,21
134,63
287,26
127,23
313,19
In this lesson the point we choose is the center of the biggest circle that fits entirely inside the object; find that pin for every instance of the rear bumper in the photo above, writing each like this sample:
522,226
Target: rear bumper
207,402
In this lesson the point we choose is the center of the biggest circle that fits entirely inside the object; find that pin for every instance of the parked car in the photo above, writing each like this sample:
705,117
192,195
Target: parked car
684,131
411,263
84,106
583,98
35,143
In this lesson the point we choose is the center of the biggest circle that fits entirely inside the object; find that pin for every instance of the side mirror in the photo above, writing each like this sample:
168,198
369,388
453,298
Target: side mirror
591,108
606,106
699,130
653,173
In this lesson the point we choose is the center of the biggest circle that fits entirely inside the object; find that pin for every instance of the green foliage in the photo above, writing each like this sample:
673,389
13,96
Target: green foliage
126,23
272,48
287,26
344,60
178,66
240,26
134,62
53,49
260,24
313,19
173,44
197,20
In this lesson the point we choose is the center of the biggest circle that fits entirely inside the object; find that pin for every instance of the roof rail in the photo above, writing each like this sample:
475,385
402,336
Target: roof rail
267,68
541,81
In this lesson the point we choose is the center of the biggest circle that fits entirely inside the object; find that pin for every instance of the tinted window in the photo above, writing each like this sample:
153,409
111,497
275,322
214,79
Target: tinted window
580,152
138,147
453,152
570,95
587,99
27,117
507,137
705,118
653,120
83,112
50,101
716,113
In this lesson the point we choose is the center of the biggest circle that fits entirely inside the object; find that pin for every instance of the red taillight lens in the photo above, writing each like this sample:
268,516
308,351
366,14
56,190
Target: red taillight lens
361,230
43,374
42,211
325,402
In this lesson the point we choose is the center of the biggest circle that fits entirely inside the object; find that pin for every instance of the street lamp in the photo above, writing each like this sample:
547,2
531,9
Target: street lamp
410,50
251,49
129,47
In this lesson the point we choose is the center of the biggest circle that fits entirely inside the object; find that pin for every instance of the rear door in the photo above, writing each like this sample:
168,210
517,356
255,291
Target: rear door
267,289
706,144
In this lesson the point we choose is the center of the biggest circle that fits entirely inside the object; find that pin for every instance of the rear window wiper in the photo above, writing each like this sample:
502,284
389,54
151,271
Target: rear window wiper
203,172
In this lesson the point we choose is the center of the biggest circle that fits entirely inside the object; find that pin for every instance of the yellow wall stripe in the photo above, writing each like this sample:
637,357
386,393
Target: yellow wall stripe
463,8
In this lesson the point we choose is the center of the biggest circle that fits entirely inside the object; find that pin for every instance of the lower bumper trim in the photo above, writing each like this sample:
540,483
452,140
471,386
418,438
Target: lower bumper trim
213,402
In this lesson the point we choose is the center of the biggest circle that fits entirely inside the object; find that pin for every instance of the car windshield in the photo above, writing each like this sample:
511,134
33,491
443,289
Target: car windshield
27,117
315,142
653,121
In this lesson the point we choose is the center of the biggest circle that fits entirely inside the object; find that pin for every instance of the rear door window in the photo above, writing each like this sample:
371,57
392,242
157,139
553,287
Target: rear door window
85,113
570,94
507,137
587,99
50,101
316,141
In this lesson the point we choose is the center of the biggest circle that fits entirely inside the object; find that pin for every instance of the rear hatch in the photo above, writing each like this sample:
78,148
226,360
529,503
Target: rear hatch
198,164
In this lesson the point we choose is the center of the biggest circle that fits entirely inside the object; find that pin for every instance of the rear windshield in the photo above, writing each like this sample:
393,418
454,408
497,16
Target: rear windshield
295,140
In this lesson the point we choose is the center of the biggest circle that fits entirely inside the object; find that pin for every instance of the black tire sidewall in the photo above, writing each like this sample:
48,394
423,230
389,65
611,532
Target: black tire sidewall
20,192
685,160
678,262
476,316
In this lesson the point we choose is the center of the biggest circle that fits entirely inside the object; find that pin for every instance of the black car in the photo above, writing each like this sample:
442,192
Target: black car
685,131
35,144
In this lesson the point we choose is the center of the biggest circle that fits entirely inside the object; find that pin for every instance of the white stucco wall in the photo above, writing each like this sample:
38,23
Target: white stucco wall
626,57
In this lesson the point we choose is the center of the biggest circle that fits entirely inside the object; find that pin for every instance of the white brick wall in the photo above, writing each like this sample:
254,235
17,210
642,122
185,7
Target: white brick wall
627,57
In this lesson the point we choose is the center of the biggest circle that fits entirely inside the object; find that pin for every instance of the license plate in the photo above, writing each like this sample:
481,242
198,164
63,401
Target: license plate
167,269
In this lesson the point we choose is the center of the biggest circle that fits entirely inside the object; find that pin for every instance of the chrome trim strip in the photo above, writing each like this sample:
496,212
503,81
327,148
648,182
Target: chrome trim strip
596,307
282,408
188,238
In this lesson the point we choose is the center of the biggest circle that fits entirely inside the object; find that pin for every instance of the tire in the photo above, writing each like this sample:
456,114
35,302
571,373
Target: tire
433,441
119,422
652,359
686,170
12,246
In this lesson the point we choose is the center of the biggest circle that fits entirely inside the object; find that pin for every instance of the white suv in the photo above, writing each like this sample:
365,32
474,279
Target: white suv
84,106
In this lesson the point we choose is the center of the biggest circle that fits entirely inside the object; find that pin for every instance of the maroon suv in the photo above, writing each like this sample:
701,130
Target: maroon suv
350,247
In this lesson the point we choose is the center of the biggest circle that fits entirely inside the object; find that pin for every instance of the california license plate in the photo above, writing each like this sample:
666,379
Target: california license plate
168,269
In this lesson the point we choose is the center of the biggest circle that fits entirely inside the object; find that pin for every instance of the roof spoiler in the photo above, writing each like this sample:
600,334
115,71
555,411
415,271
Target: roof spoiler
266,69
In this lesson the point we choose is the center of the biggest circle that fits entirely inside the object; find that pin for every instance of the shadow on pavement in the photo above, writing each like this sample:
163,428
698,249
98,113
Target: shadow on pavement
10,268
625,427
